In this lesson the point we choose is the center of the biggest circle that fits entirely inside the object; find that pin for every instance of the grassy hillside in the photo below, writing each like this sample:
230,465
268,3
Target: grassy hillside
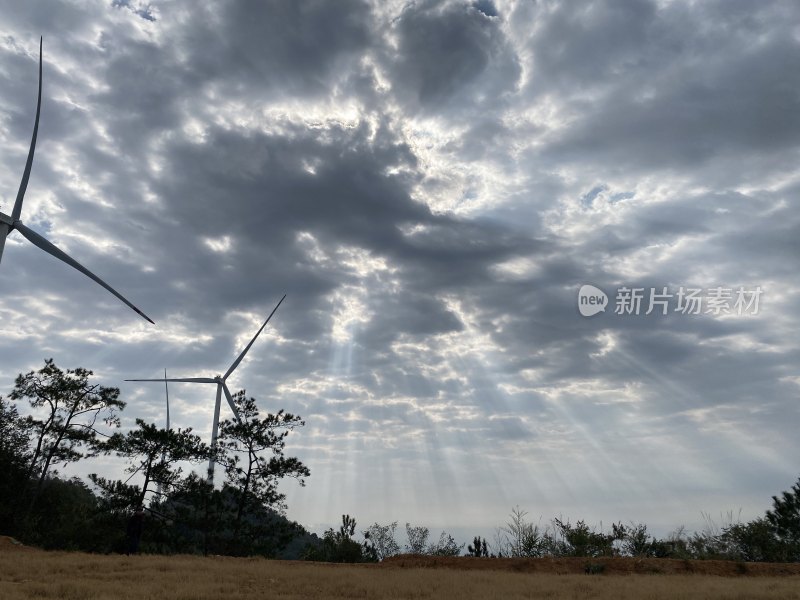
28,573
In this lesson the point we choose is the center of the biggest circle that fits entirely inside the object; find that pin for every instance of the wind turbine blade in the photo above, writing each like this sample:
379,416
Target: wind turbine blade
4,229
230,402
241,356
27,173
182,380
38,240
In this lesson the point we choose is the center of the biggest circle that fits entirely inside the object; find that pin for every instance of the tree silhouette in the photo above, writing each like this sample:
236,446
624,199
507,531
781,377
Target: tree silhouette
152,453
339,546
15,456
417,539
72,410
785,518
251,452
478,548
381,538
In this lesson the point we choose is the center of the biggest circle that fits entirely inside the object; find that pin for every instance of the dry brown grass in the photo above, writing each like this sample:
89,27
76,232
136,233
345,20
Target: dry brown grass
74,576
610,566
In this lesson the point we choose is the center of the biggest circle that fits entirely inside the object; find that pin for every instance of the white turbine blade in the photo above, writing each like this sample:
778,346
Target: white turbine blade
4,229
230,402
27,173
38,240
241,356
182,380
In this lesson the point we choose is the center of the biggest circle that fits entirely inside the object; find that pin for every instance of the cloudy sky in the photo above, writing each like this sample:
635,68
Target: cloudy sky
430,183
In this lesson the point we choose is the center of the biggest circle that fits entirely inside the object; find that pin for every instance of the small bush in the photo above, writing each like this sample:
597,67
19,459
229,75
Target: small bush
594,569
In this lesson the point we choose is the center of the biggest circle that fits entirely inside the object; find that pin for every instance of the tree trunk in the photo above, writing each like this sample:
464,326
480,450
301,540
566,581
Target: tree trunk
146,481
51,451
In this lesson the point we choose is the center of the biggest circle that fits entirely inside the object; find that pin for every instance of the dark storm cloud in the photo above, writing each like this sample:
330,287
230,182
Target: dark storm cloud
262,176
274,47
448,54
28,20
670,87
583,47
255,190
137,108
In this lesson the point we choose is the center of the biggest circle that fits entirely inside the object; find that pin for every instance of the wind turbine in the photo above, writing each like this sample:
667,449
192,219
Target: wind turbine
10,223
219,380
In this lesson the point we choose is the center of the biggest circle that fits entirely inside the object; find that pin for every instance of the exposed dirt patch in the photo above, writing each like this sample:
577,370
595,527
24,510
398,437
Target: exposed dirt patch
606,566
10,544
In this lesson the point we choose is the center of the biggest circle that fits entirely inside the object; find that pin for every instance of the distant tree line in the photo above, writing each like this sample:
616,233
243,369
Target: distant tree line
71,419
378,543
775,537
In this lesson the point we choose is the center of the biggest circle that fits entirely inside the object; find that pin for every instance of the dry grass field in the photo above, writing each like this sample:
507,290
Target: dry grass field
29,573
